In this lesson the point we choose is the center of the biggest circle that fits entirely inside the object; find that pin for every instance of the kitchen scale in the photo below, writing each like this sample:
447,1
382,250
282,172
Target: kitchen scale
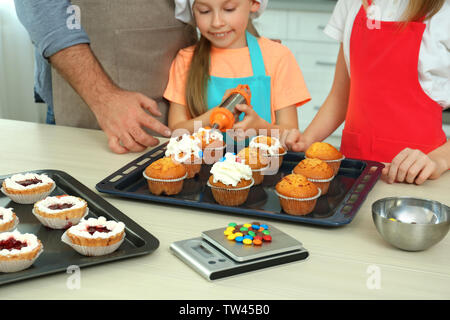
214,257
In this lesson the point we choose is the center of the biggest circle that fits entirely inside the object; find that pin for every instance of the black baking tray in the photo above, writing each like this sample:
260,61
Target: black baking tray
338,207
58,256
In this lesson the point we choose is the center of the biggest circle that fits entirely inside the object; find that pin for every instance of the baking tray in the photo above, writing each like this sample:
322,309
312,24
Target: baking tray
58,256
346,193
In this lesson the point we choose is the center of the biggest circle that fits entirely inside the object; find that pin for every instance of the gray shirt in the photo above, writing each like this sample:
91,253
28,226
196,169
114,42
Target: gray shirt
52,26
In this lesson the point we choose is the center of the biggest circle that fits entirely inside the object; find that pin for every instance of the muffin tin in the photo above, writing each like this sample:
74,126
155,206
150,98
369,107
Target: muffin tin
338,207
58,256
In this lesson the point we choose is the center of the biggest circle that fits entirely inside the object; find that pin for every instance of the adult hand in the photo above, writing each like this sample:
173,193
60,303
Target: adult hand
294,140
122,117
410,166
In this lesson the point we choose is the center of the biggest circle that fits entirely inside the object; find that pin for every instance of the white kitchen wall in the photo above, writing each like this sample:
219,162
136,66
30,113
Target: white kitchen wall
16,69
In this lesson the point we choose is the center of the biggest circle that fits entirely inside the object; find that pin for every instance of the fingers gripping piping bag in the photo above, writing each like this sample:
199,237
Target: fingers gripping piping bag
225,115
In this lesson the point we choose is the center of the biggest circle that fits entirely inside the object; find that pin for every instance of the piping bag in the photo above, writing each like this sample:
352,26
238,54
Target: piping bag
225,115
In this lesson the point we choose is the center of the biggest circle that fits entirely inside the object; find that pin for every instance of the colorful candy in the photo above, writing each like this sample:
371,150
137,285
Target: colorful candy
248,234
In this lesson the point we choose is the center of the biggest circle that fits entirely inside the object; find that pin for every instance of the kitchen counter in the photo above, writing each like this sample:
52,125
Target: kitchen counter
304,5
349,262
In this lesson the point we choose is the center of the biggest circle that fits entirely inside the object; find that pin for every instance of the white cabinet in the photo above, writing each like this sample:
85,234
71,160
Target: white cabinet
316,53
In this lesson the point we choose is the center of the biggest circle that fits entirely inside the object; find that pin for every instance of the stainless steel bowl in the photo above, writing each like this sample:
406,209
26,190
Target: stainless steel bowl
411,224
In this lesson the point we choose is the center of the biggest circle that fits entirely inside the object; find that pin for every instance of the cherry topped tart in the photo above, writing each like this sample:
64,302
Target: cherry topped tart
8,219
96,232
64,207
17,246
60,212
28,183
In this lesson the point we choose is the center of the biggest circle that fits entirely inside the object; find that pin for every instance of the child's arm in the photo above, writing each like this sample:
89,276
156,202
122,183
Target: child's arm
414,166
180,118
330,115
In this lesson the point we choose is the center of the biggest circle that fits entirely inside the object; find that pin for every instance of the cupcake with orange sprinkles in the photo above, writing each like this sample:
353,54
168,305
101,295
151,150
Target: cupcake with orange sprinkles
298,195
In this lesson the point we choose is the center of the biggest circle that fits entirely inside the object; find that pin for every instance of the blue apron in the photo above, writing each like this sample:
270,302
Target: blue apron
259,84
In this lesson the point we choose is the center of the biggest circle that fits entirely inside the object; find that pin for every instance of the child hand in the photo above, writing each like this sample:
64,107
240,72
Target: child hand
251,119
410,166
294,140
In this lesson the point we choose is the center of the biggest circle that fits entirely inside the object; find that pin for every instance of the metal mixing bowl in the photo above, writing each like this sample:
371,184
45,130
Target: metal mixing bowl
411,224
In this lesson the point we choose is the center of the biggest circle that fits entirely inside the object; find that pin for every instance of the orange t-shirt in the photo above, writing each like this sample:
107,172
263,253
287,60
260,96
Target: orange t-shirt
287,84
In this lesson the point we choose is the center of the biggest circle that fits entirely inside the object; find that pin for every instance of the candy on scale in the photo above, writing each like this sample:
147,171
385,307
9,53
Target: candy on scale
249,234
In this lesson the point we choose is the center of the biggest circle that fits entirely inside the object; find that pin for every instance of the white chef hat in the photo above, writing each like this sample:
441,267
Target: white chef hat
183,9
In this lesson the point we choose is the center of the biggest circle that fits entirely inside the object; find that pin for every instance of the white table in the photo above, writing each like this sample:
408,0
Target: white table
350,262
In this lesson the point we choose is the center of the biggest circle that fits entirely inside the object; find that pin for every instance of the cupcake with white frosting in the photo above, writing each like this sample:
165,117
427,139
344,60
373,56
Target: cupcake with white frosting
230,180
60,212
272,147
18,251
8,219
212,144
28,188
95,236
186,150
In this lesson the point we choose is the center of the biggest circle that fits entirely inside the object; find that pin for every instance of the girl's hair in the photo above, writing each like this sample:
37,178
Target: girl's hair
421,8
198,76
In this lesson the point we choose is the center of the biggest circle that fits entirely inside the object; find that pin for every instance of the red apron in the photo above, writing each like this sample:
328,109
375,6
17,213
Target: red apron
388,109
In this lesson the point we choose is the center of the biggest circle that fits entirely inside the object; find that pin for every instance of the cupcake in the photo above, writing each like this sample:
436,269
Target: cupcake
298,195
325,152
8,219
28,188
186,150
272,147
18,251
230,181
316,171
165,176
255,159
95,236
212,144
60,212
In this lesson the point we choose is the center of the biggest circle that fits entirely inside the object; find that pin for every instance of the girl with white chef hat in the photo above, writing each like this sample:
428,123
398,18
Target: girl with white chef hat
392,81
230,53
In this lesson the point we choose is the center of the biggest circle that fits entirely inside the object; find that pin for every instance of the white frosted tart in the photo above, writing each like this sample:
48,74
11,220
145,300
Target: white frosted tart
96,232
18,251
27,183
27,188
8,219
60,212
64,206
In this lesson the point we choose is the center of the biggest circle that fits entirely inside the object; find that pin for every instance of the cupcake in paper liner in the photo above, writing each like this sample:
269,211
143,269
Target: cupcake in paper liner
298,195
28,188
165,176
257,161
212,144
8,219
60,212
327,153
230,181
186,150
95,236
18,251
316,171
272,147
